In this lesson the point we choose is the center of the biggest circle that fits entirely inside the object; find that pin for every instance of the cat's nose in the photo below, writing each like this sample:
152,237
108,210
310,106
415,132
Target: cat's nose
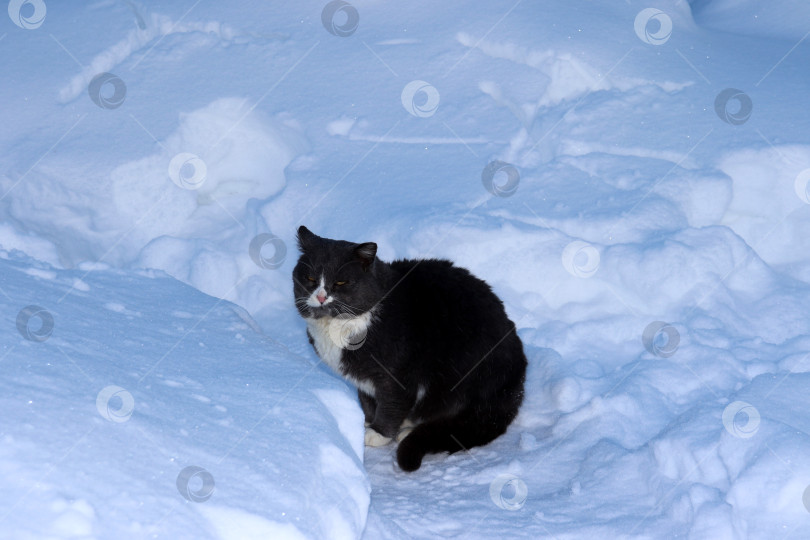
321,298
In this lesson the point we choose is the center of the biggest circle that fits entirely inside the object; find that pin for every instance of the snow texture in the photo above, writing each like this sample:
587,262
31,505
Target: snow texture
632,178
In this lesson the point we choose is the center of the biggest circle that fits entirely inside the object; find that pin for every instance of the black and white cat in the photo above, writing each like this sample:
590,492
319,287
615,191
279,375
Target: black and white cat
436,361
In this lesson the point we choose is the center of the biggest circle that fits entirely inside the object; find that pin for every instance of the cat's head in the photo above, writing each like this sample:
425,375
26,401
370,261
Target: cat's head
334,277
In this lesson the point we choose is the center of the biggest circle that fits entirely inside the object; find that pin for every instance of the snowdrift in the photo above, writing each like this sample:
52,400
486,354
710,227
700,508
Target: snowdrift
135,406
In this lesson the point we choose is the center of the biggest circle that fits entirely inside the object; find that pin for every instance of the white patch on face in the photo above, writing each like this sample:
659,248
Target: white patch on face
312,301
331,335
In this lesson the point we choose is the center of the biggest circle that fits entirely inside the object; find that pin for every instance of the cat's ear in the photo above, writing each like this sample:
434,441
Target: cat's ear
305,238
366,253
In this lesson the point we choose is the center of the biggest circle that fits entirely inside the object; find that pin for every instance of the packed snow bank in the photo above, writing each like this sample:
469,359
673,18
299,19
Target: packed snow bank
134,406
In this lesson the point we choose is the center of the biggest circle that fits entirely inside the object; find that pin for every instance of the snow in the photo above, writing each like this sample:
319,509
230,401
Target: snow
778,19
645,229
111,402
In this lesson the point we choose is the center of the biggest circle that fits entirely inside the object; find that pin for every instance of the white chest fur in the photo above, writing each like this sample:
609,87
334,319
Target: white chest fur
333,335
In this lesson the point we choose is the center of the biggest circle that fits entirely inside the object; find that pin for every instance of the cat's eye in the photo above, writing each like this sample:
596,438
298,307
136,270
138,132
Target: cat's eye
339,283
311,278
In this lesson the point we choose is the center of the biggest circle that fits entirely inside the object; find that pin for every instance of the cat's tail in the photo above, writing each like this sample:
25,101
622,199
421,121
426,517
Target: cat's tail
462,432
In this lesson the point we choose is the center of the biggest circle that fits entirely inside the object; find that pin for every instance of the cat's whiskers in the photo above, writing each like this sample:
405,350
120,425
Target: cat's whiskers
301,303
350,309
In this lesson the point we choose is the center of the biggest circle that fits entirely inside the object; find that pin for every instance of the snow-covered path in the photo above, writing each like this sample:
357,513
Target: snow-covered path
631,177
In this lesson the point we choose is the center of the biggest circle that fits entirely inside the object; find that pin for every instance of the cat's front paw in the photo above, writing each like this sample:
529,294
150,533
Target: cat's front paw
375,439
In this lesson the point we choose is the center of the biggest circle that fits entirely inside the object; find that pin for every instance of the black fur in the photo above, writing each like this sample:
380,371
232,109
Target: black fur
436,327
